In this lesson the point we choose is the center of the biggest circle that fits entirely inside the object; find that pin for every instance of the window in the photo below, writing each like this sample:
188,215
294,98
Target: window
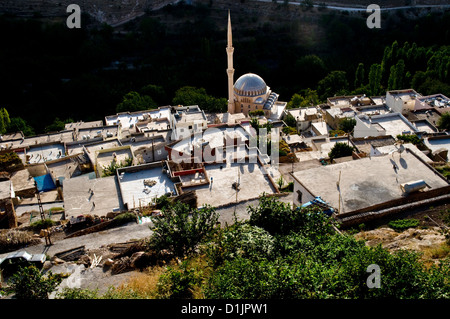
299,196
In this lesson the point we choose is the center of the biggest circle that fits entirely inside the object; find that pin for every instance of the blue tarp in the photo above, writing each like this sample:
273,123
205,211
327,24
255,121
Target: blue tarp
45,183
318,201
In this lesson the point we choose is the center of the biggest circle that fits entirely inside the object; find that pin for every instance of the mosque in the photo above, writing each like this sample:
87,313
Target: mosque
250,92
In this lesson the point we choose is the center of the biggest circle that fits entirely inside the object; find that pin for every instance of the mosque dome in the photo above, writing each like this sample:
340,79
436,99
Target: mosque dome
250,85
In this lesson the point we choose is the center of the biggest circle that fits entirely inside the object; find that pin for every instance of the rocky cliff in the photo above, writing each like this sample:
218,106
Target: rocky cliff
112,12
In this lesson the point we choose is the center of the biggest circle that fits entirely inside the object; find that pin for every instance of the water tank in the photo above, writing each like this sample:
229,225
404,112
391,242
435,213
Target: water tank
413,186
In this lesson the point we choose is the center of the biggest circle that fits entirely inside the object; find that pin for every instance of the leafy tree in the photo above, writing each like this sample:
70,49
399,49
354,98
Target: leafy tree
4,120
347,124
335,83
304,98
397,76
177,283
359,76
30,283
18,124
157,93
133,101
375,75
57,125
279,218
9,161
189,95
180,229
311,69
290,120
340,150
444,121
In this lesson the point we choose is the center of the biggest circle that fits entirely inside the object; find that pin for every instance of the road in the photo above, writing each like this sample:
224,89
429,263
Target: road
134,231
364,9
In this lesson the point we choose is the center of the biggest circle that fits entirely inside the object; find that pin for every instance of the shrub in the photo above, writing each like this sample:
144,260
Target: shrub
340,150
402,224
122,219
410,138
177,283
42,224
30,283
180,229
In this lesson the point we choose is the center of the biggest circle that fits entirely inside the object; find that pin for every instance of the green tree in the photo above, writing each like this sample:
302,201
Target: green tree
180,229
57,125
290,120
311,69
340,150
157,93
189,95
30,283
133,101
347,124
279,218
304,98
18,124
444,121
4,121
359,76
375,75
396,79
335,83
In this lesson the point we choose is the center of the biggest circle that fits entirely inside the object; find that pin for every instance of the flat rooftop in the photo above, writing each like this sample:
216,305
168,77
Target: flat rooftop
368,181
404,95
5,190
393,123
92,148
82,125
22,180
58,137
66,168
251,177
435,144
45,153
105,158
425,126
127,120
213,136
105,132
79,200
136,193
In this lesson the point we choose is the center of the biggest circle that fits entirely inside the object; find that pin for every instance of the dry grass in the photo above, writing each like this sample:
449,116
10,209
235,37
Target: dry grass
437,252
143,283
12,239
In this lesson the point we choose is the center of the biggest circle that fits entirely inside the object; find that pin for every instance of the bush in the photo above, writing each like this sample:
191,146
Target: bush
240,240
30,283
42,224
122,219
177,283
340,150
402,224
413,139
180,229
9,161
279,218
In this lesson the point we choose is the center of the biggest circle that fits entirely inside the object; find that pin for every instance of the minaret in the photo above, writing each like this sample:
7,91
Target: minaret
230,70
